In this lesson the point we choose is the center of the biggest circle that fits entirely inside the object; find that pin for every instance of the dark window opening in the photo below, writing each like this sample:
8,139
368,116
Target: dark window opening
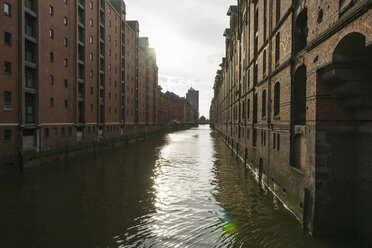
29,108
264,104
301,31
277,14
7,98
277,49
248,108
264,63
7,39
277,99
299,96
7,68
7,135
46,132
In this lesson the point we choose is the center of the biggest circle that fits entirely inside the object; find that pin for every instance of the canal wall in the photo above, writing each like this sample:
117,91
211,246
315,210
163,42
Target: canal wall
33,158
268,178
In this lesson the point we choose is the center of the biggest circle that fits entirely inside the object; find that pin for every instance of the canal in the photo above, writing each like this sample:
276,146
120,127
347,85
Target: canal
186,189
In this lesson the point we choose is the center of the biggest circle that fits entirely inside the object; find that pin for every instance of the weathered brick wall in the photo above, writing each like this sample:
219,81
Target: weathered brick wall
316,162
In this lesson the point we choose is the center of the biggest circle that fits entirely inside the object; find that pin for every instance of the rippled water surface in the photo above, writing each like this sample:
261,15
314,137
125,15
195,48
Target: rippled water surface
183,190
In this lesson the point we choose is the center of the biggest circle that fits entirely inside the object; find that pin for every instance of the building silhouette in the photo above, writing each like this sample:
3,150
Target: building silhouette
192,97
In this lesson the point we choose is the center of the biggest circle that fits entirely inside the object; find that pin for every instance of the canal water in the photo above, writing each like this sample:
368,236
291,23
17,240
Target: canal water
186,189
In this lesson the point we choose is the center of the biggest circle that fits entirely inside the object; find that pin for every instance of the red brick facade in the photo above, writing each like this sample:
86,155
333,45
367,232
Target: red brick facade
78,71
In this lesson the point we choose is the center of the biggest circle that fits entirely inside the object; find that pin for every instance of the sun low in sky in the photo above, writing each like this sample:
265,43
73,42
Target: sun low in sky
188,38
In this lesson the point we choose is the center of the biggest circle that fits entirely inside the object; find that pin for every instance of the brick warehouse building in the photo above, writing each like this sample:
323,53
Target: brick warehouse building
180,110
74,71
294,99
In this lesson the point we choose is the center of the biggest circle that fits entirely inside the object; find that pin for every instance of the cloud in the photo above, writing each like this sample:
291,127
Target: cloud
187,35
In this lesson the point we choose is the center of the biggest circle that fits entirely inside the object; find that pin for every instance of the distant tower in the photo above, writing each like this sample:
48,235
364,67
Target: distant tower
192,97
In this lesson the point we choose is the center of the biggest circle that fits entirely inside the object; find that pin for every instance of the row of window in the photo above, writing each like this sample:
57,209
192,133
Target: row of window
63,132
264,103
8,132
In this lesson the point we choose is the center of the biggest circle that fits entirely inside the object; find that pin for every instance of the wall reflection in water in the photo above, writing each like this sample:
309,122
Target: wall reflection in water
184,190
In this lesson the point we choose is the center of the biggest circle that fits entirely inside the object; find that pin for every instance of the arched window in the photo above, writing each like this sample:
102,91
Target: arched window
264,104
277,11
301,31
277,99
277,48
299,96
243,111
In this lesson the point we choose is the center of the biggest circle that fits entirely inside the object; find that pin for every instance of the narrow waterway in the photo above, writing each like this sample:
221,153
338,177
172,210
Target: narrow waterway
186,189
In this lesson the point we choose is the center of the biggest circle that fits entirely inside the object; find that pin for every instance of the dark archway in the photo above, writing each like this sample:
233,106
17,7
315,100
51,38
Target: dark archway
343,172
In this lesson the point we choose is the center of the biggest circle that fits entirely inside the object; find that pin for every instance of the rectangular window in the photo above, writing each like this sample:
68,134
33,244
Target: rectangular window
51,102
7,98
277,11
65,21
66,83
7,135
51,12
29,78
29,4
264,63
69,131
7,9
278,142
7,39
7,68
29,108
51,57
63,131
51,79
46,132
29,52
65,63
277,49
65,42
66,104
51,33
29,26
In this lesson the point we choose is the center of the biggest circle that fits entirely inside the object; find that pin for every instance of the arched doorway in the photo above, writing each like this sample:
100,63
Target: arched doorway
343,173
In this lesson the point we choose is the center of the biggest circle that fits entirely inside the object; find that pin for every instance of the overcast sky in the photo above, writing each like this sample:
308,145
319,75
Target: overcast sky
188,38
